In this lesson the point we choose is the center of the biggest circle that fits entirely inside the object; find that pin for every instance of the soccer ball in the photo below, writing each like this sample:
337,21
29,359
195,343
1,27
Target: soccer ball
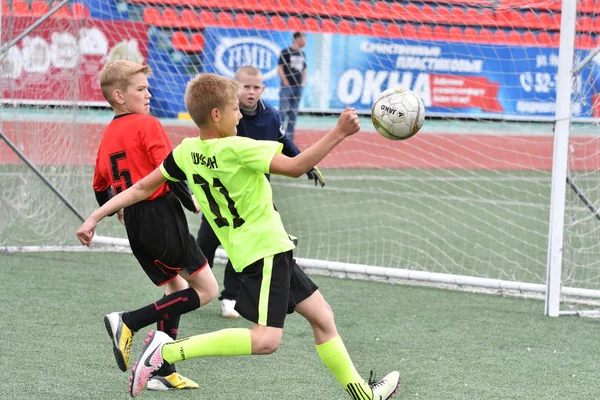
398,114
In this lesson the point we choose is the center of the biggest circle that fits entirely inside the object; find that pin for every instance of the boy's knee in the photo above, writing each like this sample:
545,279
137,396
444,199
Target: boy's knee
268,346
207,292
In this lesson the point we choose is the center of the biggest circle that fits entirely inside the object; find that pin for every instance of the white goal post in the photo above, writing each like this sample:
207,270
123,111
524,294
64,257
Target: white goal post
499,190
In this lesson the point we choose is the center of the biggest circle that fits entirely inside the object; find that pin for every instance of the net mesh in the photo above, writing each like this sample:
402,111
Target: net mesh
468,195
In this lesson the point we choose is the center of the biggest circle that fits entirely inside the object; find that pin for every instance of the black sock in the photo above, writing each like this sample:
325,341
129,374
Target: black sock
167,308
170,327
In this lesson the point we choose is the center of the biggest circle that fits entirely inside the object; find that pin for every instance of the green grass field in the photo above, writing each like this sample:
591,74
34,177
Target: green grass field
447,345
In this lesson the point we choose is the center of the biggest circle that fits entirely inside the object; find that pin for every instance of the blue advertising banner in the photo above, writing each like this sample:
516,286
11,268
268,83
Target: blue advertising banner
226,50
454,79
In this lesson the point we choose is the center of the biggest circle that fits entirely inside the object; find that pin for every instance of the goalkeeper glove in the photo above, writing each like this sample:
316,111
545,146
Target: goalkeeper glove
315,174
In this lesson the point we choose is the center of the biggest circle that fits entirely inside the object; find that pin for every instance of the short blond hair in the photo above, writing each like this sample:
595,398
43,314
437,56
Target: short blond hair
116,75
206,92
248,70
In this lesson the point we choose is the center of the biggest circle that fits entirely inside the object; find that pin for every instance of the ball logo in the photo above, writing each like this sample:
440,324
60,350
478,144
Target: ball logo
392,111
233,53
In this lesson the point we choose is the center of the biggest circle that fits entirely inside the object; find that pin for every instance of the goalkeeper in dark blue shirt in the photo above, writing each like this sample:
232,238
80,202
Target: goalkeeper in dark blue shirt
260,122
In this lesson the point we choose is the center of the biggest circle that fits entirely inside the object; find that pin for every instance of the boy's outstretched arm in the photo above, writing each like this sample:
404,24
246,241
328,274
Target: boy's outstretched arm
141,190
347,125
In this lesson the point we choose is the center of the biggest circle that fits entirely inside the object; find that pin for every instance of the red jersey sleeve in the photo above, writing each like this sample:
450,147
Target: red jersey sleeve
100,183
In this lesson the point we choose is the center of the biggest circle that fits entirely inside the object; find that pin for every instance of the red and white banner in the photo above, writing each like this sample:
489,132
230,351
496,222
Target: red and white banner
59,62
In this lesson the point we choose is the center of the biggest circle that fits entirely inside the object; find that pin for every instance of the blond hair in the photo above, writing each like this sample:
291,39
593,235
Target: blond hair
248,70
206,92
116,75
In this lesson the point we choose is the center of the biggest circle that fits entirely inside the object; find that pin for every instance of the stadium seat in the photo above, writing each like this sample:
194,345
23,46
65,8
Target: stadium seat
62,12
362,28
531,20
547,21
189,19
225,19
335,7
439,33
500,36
329,26
207,18
80,11
180,41
585,24
39,8
488,17
365,9
458,16
242,20
197,42
455,34
271,6
312,24
295,24
596,25
249,5
20,8
440,15
529,39
350,10
381,10
515,38
428,15
471,34
412,13
151,15
556,39
409,31
394,30
301,7
424,32
397,12
586,6
472,17
584,42
378,29
278,23
509,19
557,20
261,22
318,7
345,27
544,39
485,36
170,17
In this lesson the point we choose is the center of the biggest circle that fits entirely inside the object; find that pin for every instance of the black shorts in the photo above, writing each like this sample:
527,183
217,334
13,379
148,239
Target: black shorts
160,239
271,288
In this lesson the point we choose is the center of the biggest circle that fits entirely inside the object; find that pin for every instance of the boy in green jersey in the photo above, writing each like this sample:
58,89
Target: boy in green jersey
227,176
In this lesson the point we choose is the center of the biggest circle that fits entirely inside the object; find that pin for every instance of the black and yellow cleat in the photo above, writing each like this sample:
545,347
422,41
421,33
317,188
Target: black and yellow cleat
121,337
171,382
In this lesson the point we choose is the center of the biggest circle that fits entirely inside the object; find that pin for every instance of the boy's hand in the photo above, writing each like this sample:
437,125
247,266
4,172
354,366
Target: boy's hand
315,174
86,232
348,122
196,204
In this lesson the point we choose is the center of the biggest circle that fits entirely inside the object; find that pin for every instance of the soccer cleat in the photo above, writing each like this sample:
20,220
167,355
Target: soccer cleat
386,388
121,336
170,382
149,362
228,309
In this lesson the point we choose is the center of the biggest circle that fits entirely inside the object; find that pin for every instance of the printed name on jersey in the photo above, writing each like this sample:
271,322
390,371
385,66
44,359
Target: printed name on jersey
201,159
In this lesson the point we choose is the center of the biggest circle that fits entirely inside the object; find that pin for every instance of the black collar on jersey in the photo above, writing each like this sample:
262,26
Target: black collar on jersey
121,115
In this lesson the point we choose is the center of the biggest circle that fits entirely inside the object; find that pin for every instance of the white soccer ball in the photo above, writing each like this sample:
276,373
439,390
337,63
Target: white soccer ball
398,114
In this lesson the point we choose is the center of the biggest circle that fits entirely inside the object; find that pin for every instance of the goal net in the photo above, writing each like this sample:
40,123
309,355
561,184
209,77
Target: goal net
466,201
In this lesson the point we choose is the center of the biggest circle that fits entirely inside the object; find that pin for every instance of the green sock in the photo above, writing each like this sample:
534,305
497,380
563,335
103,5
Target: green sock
336,358
226,342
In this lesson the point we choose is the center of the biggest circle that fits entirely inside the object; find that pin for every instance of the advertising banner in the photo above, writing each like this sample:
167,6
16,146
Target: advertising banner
60,61
454,79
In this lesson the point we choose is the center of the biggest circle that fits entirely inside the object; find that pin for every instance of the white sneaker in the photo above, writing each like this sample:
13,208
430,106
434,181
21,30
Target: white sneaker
149,362
386,387
228,309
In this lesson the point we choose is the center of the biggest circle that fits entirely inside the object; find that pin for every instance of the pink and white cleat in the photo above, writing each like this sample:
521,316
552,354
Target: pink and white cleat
149,362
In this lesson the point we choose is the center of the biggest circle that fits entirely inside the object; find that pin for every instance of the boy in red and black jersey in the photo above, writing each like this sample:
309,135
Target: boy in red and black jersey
133,145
